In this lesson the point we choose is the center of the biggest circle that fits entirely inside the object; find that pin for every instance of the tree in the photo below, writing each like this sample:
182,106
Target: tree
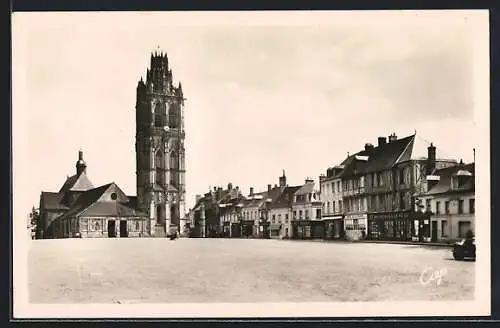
33,222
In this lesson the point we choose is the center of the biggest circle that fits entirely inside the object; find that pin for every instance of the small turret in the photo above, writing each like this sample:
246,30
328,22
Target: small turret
81,166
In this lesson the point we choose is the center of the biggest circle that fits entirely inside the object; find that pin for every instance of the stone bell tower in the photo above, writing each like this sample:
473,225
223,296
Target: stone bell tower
159,144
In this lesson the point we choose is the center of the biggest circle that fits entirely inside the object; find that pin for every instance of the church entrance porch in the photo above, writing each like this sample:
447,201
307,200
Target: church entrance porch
111,228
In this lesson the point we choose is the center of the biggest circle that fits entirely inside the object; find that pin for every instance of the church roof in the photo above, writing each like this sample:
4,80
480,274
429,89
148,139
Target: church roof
77,183
53,201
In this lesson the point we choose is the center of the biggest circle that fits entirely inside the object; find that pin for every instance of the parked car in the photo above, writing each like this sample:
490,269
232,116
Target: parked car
465,249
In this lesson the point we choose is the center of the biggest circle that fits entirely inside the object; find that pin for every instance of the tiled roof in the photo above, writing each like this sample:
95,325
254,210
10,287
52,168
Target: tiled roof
306,188
85,200
379,158
77,183
445,176
286,197
110,209
53,201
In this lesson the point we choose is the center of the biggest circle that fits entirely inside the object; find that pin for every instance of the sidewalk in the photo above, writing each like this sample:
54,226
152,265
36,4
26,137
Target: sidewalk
398,242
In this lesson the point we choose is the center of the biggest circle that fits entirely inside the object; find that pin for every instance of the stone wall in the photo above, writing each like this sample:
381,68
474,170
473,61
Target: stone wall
97,227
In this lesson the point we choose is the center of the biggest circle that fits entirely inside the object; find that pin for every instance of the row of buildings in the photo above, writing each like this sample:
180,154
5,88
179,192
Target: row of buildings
387,191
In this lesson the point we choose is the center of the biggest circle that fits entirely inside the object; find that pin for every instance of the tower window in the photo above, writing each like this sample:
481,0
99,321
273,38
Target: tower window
158,115
173,118
113,196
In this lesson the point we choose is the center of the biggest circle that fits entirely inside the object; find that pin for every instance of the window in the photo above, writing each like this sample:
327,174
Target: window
463,227
428,205
286,218
338,186
447,207
300,214
461,206
158,166
158,115
327,207
333,187
438,208
137,226
444,228
472,205
279,218
173,117
340,206
355,224
274,218
333,206
318,213
402,204
113,196
307,214
401,176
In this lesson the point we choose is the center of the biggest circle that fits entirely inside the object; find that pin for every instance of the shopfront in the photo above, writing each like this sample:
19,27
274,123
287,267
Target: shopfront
401,225
333,227
247,228
275,230
355,226
308,229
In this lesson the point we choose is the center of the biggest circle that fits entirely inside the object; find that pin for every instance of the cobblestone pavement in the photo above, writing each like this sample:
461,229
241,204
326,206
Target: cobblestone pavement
232,270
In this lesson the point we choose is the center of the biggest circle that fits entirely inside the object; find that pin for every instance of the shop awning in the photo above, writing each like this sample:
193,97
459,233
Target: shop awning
334,217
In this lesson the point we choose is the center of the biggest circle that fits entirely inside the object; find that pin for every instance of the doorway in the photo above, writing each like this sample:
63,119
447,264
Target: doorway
111,228
123,228
434,231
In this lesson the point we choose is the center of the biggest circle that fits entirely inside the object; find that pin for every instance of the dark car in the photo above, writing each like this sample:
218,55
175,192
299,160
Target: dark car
465,249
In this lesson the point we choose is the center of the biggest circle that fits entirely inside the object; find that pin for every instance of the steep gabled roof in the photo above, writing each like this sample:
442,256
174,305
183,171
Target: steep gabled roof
379,158
77,183
306,188
286,197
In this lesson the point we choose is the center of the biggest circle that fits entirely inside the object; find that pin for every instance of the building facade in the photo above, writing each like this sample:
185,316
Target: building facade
306,212
160,153
378,185
449,196
331,194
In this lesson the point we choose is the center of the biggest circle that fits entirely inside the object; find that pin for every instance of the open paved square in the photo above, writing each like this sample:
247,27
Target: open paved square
238,270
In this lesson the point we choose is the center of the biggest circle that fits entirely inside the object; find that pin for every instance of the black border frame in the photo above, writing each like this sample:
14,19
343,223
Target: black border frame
151,5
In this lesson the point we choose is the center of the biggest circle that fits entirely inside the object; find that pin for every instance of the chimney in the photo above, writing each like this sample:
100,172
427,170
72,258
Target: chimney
198,198
474,154
393,137
229,186
431,159
381,141
368,146
251,191
275,185
269,187
309,180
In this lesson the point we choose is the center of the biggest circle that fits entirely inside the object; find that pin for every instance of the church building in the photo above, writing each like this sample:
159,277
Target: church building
79,209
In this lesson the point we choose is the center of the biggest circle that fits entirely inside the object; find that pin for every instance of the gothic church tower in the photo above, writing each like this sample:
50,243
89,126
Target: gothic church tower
159,146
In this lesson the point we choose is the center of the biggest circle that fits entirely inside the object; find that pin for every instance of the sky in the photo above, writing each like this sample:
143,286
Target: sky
265,91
